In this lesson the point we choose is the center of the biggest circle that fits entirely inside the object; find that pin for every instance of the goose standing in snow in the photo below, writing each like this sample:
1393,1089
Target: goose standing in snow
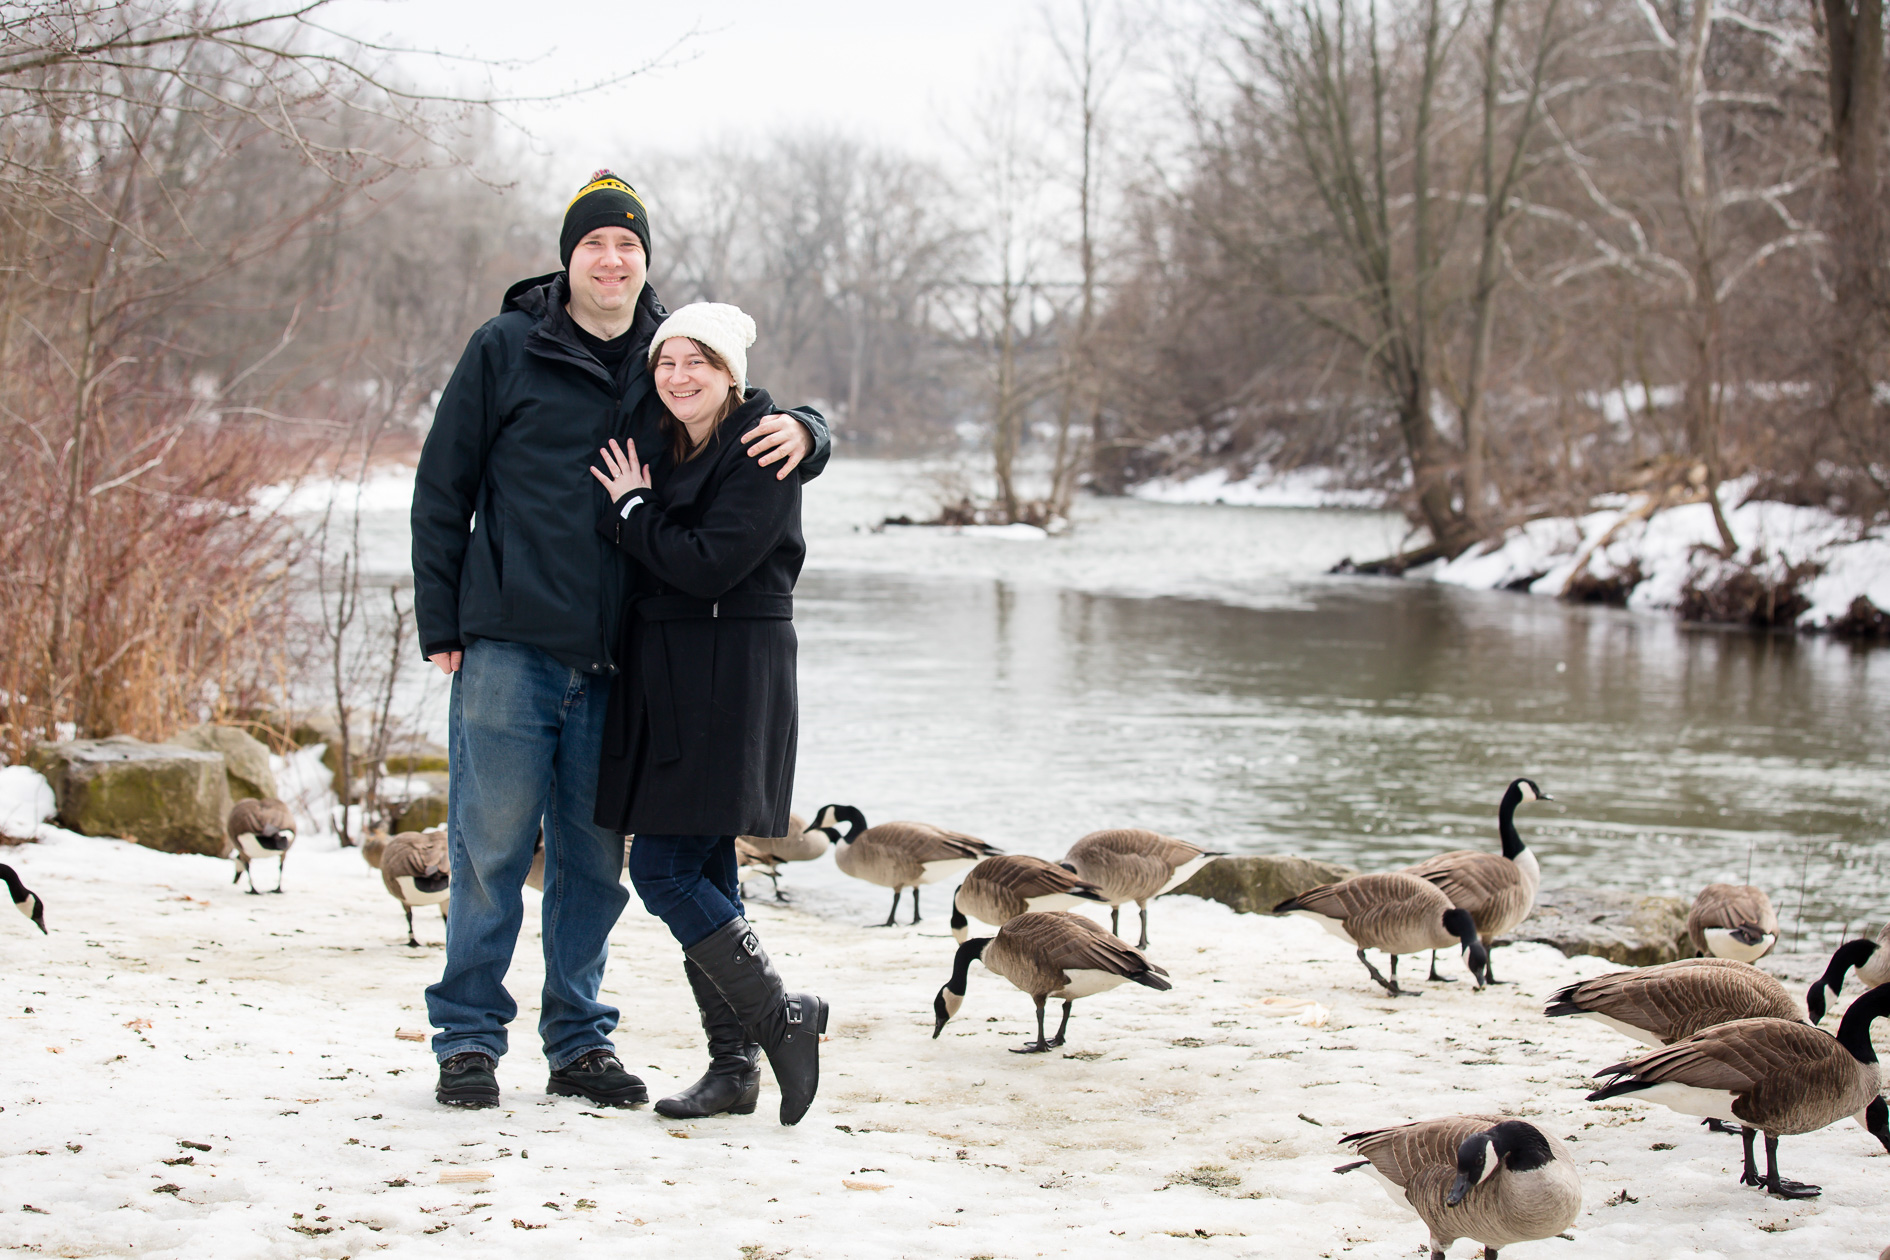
1661,1005
1395,912
769,853
1872,960
1492,1179
998,889
24,899
897,855
1732,921
257,829
1775,1076
1499,890
415,871
1130,864
1050,954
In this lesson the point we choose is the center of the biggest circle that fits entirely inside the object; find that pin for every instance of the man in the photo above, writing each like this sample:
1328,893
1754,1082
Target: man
518,597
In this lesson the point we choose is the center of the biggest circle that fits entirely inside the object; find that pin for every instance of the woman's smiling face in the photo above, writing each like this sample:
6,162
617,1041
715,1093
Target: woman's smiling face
688,384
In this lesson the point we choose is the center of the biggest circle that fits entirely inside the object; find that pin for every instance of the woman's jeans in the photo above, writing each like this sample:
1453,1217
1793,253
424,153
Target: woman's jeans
689,882
526,734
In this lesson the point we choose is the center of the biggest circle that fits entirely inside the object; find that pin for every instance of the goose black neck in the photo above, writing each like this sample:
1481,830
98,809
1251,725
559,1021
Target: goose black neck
1523,1145
959,921
1850,954
15,888
852,817
1506,822
961,965
1854,1032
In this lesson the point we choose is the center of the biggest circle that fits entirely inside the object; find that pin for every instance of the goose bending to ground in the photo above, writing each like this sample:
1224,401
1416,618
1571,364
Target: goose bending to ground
1130,864
1775,1076
257,829
1488,1178
897,855
1499,890
1048,954
415,870
1668,1003
1395,912
998,889
24,899
768,854
1872,960
1732,921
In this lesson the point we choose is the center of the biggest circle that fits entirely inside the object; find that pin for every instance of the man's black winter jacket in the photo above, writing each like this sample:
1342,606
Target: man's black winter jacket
504,504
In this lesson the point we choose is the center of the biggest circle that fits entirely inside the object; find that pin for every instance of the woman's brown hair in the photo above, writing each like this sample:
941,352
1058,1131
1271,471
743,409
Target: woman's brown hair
679,448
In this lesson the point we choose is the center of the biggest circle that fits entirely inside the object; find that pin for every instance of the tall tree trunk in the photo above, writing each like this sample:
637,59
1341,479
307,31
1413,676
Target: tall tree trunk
1705,393
1854,39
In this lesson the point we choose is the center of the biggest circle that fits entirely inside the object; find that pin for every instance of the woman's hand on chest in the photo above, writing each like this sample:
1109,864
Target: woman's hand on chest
622,473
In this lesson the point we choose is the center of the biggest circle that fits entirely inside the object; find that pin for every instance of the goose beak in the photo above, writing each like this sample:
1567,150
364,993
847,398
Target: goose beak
1458,1189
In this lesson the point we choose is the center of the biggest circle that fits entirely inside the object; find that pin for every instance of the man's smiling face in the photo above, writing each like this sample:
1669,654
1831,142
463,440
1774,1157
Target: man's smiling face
607,271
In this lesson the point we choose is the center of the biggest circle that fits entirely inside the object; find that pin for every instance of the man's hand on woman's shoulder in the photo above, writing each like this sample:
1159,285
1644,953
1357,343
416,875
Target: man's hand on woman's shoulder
779,438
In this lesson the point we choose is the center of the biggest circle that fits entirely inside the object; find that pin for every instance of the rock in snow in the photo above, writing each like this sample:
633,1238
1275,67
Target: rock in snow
194,1072
164,797
1255,883
1625,928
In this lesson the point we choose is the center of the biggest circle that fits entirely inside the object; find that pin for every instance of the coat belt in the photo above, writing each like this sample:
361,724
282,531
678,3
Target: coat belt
659,698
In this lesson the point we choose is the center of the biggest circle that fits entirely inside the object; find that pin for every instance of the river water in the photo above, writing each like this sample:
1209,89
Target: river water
1194,670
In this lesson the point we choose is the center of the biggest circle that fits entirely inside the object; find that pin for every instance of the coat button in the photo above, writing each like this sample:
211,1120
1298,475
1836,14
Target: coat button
595,665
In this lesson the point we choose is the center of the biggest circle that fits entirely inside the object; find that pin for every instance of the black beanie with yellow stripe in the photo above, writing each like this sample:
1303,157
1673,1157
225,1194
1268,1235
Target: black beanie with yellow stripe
605,201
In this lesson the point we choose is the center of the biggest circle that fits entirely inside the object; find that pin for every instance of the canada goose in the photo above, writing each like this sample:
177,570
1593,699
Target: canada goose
258,828
1664,1004
998,889
1499,890
1395,912
897,855
1130,864
24,899
415,870
1492,1179
1872,960
1775,1075
1048,954
768,853
1732,921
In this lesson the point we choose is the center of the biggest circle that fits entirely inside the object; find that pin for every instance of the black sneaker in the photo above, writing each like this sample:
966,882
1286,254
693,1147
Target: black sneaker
598,1076
467,1080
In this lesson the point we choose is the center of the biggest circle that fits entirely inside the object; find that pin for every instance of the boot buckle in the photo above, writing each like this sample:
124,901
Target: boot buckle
794,1013
751,943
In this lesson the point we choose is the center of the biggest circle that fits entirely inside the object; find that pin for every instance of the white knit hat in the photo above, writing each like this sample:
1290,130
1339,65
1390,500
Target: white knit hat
725,329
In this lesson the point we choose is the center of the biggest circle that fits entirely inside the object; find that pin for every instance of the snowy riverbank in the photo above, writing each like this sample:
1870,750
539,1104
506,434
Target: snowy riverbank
168,1009
1656,562
1263,487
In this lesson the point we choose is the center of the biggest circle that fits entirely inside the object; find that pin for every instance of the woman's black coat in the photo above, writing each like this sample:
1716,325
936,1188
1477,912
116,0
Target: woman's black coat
704,715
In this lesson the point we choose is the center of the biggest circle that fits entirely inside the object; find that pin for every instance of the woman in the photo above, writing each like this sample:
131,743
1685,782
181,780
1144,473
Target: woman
700,737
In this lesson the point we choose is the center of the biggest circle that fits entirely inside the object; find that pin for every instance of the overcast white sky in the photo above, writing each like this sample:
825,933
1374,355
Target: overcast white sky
898,72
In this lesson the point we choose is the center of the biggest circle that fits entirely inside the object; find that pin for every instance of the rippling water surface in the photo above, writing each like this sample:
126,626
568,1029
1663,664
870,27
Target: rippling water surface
1191,669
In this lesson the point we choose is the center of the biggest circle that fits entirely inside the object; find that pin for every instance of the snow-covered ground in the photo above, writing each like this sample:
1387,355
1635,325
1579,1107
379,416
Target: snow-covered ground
1264,487
1678,547
195,1072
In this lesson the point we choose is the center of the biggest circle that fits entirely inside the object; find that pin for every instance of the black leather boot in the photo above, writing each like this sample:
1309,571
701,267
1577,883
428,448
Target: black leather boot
788,1025
733,1080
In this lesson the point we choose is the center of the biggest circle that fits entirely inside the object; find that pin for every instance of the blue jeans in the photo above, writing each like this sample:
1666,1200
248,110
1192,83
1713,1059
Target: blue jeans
526,733
689,882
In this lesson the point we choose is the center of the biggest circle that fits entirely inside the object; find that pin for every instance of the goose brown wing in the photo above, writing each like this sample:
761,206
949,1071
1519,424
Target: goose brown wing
922,842
1729,906
1488,885
1675,1000
1402,1152
1139,842
1024,876
1068,942
1737,1056
1367,898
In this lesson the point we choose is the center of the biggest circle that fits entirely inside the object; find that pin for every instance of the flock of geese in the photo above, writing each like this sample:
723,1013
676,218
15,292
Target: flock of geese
1727,1041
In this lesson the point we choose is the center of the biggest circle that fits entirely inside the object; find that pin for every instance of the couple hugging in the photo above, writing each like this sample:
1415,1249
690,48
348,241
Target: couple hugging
604,559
